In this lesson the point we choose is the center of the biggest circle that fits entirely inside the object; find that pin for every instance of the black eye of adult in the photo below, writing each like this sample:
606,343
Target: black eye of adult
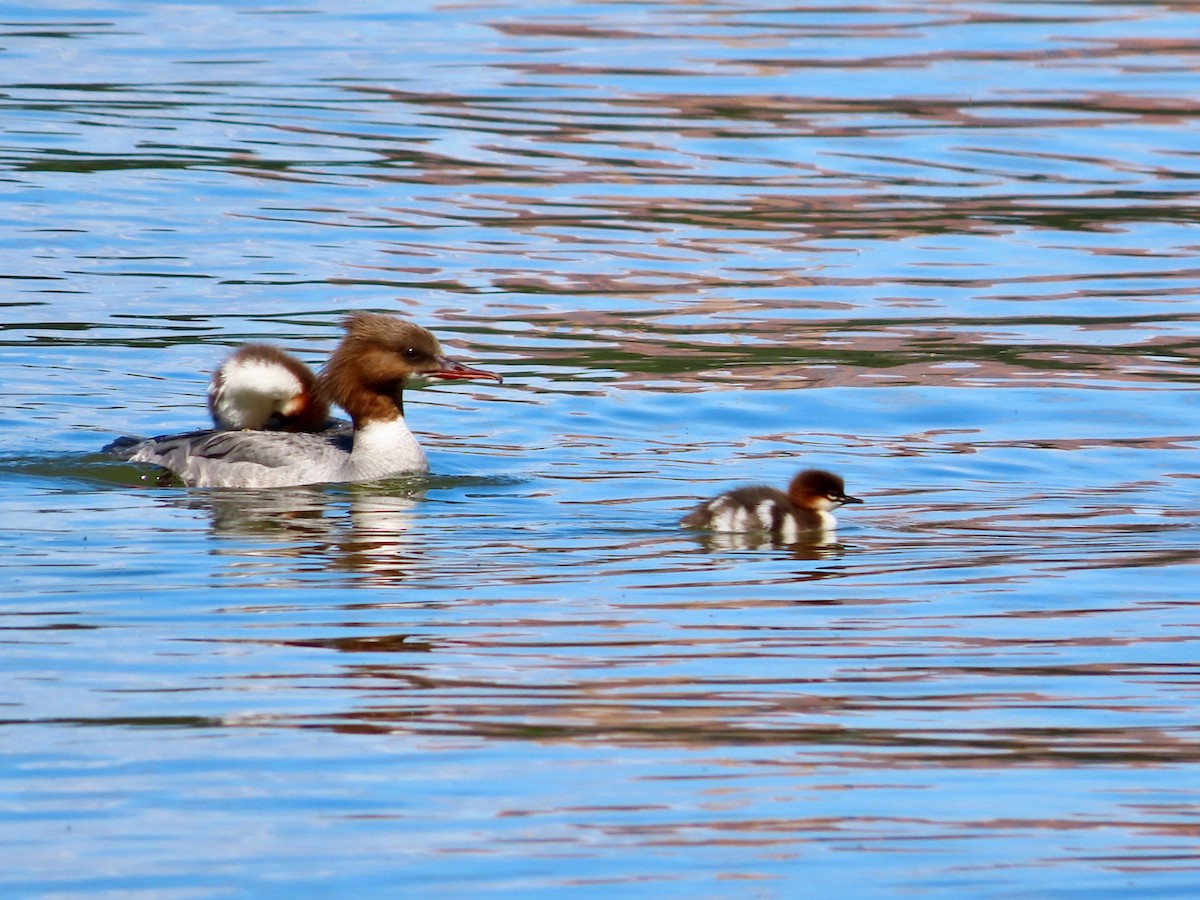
412,354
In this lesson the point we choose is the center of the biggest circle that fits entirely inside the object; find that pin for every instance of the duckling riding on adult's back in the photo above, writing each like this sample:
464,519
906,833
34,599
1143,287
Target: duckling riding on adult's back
379,356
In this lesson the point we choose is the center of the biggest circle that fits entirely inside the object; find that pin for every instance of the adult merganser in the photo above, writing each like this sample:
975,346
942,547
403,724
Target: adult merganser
805,510
379,356
262,388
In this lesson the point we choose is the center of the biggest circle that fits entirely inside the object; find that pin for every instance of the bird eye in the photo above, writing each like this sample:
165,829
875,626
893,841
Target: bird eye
412,354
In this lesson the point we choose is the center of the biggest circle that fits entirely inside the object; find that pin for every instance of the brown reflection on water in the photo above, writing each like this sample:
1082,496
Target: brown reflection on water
640,712
729,344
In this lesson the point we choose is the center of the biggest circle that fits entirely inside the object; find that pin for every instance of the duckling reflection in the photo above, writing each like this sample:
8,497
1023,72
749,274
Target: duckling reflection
810,548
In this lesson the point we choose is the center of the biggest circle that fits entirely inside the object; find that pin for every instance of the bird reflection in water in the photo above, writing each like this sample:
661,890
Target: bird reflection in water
356,528
813,548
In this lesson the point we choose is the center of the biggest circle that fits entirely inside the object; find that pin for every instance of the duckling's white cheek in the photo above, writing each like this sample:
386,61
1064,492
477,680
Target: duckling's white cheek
262,378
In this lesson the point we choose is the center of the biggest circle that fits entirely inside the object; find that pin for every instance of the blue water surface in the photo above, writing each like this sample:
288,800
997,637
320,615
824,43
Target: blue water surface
946,250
